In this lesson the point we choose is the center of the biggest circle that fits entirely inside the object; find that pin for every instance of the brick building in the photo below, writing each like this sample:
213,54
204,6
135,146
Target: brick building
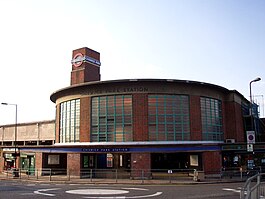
146,124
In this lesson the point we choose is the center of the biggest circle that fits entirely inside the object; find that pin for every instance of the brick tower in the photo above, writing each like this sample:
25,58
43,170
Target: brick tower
85,66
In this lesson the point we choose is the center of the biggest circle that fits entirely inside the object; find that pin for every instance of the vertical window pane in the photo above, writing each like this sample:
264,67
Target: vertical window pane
113,121
69,121
168,117
211,114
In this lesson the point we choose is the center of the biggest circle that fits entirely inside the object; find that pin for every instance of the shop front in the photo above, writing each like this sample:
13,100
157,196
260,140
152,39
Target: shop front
129,160
9,158
242,156
27,162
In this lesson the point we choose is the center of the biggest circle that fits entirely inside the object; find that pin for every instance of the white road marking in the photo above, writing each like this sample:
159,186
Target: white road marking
124,197
46,194
97,191
233,190
140,189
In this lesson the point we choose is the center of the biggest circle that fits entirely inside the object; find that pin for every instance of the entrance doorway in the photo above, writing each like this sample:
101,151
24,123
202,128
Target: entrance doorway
106,161
28,164
166,161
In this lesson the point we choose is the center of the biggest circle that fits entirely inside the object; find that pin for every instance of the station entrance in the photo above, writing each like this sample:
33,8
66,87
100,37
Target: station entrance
166,161
106,161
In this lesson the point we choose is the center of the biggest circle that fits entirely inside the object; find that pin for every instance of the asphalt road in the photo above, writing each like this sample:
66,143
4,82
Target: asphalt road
18,190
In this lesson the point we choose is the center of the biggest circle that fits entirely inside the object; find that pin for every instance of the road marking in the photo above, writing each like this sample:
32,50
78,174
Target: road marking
97,191
46,194
140,189
233,190
124,197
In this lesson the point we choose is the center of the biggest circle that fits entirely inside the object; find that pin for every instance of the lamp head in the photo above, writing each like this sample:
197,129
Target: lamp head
257,79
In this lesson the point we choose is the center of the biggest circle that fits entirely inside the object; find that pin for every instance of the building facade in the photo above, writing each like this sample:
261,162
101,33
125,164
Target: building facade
33,134
146,124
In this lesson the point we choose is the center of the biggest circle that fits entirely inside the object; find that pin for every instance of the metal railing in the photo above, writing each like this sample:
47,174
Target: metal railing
253,188
115,175
97,175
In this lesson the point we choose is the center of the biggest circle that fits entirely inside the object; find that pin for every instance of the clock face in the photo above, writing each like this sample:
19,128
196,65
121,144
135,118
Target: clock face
77,60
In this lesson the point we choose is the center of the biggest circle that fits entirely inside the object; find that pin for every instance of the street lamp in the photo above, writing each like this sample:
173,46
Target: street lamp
254,80
252,133
15,143
251,103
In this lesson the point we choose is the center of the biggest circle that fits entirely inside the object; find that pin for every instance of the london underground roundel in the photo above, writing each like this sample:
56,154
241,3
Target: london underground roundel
77,60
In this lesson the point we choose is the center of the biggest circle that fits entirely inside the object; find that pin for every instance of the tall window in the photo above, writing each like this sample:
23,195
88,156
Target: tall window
211,114
168,117
112,118
70,121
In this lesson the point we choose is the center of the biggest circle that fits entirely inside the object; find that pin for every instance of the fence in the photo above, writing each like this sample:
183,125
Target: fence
115,175
254,187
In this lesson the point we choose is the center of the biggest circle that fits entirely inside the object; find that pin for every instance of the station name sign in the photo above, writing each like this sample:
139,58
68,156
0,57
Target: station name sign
100,150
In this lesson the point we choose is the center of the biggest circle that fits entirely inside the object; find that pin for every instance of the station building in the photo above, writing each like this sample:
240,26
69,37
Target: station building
146,124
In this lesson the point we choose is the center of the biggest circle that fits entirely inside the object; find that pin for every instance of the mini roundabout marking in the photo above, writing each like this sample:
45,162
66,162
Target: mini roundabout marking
102,193
97,191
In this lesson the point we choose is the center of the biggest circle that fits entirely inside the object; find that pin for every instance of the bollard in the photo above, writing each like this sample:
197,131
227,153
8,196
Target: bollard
169,173
241,173
142,176
50,175
91,172
116,175
195,175
15,172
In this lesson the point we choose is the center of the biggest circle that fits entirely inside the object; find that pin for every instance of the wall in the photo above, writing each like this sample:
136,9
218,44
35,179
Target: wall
85,112
140,165
1,161
211,161
195,118
234,125
73,164
35,131
38,163
140,117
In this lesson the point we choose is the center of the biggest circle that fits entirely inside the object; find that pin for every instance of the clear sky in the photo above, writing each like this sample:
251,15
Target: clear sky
215,41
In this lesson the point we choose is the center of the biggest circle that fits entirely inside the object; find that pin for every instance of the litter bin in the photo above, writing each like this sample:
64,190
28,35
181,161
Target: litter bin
198,176
15,172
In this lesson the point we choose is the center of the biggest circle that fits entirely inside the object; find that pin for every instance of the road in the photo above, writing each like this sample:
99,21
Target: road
18,190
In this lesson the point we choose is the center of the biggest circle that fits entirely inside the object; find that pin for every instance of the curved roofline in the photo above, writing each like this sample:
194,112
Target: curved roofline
53,95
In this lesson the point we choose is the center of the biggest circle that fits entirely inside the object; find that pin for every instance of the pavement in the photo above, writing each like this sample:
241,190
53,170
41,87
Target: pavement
187,180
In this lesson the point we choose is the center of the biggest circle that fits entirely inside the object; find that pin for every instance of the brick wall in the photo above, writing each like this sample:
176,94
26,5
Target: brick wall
140,117
211,161
141,165
73,163
87,71
234,126
38,162
195,118
57,124
85,112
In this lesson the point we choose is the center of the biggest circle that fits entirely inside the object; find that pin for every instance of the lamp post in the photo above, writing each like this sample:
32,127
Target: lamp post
250,92
252,133
251,100
15,141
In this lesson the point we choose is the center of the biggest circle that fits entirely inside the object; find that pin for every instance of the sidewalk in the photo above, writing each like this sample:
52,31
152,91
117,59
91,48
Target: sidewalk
76,180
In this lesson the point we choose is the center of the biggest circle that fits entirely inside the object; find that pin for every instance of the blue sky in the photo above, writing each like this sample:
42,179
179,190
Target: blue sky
215,41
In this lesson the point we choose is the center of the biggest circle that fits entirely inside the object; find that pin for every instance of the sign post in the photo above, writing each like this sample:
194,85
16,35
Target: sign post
250,140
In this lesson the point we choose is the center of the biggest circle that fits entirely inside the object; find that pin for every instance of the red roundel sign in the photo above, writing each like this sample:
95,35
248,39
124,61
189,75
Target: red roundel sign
77,60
